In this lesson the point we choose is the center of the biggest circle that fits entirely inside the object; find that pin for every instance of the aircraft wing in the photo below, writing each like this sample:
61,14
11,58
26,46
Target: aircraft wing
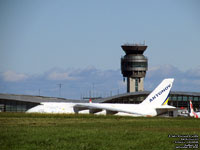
110,109
166,107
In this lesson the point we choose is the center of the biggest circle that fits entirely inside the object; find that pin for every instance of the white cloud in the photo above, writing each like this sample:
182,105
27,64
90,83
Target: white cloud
12,76
195,72
194,82
163,71
78,82
184,80
60,76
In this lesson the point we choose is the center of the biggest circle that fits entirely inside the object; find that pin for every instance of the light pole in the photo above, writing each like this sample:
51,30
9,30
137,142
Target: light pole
60,85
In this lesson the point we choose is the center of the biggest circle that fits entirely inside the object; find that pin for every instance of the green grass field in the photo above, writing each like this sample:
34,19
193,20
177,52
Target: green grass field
20,131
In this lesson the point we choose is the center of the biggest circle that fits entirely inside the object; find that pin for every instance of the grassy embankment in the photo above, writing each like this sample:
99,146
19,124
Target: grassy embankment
19,131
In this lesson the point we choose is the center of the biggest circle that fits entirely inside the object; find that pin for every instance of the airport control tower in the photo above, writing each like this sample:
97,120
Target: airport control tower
134,66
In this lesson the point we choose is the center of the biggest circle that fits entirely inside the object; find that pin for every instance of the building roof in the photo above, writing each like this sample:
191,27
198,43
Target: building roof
39,99
103,100
36,99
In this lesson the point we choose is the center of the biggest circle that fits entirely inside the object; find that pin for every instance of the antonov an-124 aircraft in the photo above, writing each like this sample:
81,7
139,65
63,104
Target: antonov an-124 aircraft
155,104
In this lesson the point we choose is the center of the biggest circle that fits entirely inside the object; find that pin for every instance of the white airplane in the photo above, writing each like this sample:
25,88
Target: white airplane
192,112
155,104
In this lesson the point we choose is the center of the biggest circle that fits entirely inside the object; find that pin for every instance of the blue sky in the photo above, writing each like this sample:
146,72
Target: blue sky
40,35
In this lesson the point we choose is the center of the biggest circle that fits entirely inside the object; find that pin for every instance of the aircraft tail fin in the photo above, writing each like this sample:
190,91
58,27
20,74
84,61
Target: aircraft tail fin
191,109
192,113
160,95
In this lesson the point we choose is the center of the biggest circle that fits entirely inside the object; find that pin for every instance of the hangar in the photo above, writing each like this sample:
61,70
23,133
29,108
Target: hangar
21,103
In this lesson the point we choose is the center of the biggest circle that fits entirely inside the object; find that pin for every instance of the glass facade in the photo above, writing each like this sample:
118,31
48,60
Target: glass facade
177,100
135,64
136,84
183,101
15,106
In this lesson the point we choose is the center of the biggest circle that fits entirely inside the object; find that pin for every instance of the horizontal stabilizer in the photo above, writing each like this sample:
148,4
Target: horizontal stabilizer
166,107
